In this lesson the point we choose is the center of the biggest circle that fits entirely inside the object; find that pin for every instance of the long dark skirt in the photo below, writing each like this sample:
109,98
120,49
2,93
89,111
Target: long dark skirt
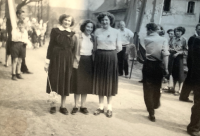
177,70
105,81
82,77
60,71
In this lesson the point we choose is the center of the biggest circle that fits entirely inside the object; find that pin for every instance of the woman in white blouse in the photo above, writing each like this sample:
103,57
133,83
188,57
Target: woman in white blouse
83,66
105,81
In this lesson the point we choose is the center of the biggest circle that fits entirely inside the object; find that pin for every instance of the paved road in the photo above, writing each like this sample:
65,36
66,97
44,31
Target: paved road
24,110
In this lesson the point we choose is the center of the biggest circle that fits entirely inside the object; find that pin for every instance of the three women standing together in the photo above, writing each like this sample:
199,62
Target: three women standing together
72,69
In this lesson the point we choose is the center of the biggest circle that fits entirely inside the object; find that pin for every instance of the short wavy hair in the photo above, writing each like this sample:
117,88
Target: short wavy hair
162,31
152,26
109,15
168,31
63,16
83,25
180,28
197,26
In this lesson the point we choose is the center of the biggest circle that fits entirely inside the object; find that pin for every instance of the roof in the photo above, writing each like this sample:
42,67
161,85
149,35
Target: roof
109,5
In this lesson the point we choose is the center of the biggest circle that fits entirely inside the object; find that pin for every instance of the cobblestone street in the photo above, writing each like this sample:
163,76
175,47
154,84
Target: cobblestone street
24,110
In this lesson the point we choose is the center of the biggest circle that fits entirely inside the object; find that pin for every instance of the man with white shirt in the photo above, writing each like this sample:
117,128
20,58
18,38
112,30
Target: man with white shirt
126,38
156,54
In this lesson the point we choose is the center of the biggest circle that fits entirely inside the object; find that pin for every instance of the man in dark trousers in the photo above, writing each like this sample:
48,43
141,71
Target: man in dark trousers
126,36
193,78
20,16
156,54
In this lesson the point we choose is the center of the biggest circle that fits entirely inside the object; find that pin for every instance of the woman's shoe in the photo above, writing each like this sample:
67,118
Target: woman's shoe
53,110
14,77
64,111
19,76
176,93
84,110
109,114
74,111
98,111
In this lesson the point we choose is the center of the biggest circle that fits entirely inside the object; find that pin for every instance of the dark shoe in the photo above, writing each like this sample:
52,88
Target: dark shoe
126,76
120,75
84,110
188,100
176,93
109,114
141,81
14,77
98,111
27,72
64,111
19,76
193,133
53,110
152,118
5,65
74,111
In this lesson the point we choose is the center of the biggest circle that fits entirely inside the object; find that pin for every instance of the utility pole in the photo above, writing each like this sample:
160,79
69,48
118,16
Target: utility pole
153,12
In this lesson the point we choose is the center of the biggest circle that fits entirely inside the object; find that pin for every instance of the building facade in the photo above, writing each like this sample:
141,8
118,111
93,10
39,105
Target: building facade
169,13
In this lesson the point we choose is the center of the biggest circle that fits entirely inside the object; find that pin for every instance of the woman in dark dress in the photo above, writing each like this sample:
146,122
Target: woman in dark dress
178,49
61,54
105,81
83,67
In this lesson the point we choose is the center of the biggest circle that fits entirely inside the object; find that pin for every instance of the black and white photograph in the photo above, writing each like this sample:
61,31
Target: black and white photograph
99,67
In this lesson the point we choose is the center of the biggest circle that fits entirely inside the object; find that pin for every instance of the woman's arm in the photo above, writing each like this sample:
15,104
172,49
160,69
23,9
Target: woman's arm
118,42
77,42
51,44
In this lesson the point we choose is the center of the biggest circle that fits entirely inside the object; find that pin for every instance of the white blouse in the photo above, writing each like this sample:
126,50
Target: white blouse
86,45
108,39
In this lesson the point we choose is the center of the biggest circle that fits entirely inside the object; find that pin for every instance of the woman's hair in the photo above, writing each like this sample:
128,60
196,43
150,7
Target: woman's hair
168,31
62,17
83,25
197,26
162,31
109,15
180,28
152,26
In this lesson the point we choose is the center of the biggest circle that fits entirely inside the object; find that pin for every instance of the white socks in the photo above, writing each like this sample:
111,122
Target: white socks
101,106
109,107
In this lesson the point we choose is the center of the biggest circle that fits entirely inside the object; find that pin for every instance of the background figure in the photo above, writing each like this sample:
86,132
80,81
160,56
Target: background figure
21,17
82,75
105,64
178,49
59,63
192,81
126,38
18,50
156,54
171,60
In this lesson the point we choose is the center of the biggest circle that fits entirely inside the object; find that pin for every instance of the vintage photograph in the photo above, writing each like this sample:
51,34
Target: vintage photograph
99,67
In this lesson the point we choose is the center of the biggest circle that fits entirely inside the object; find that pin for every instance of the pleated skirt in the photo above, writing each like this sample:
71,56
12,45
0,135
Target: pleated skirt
177,70
60,72
81,82
105,81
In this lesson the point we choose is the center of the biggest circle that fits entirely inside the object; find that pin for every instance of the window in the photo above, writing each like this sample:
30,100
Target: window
191,5
167,4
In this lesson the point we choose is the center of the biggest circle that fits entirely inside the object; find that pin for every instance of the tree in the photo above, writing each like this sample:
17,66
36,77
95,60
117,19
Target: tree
25,2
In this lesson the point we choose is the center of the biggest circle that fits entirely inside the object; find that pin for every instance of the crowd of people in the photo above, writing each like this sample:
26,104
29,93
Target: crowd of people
89,62
36,33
